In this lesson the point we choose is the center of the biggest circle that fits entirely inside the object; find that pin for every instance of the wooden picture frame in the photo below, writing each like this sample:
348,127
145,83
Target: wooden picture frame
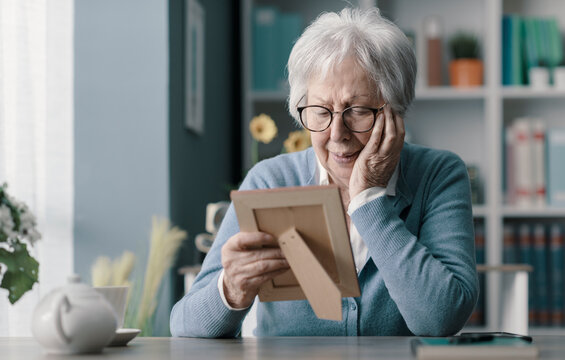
309,224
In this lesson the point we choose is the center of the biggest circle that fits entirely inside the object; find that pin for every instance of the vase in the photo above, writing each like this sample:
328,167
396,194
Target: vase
466,72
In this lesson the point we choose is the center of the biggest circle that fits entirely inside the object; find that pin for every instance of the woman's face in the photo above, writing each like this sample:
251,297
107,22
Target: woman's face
337,147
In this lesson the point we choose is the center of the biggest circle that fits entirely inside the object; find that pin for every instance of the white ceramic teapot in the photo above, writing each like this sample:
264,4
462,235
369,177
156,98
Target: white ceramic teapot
74,319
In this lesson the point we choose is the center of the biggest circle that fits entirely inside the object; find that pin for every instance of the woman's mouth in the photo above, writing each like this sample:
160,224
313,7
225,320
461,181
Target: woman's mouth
344,158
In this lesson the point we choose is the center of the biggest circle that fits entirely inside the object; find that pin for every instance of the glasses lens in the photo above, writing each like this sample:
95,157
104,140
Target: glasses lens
359,118
316,118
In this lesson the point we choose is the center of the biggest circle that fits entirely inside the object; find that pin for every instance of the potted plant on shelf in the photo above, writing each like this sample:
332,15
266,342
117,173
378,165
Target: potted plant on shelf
466,68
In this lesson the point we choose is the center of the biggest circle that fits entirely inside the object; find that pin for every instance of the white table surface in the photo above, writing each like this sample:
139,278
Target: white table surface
551,347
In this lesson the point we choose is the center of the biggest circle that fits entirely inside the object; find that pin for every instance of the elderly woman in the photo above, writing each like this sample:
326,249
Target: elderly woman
409,215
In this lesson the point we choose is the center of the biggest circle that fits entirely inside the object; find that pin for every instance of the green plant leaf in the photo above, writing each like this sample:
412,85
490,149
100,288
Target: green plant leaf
22,271
464,46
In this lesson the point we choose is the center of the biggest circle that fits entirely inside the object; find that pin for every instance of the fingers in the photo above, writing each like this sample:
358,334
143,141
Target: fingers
377,133
242,288
257,281
390,131
262,269
244,248
253,240
399,121
250,259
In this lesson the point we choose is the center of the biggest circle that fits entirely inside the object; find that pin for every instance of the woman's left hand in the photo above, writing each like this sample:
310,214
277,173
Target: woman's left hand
377,161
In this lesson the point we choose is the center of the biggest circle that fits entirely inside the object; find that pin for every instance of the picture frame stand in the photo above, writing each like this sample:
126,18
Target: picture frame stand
310,227
324,296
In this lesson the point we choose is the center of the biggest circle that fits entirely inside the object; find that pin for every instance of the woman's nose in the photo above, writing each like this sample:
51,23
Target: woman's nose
338,130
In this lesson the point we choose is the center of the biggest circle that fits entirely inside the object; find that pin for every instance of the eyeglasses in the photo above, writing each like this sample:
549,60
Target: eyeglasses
358,119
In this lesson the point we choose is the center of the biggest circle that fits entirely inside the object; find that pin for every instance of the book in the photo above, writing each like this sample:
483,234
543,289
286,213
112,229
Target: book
264,47
289,27
526,257
557,243
508,181
497,348
274,33
509,247
506,50
538,162
525,162
540,276
542,33
555,43
555,166
531,47
521,148
517,77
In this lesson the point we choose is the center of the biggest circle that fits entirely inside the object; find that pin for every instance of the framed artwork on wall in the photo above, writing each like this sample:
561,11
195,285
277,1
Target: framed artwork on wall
194,70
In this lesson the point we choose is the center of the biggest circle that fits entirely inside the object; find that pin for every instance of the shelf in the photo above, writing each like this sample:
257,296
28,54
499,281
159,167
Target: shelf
449,92
437,93
542,212
526,92
268,95
479,211
536,331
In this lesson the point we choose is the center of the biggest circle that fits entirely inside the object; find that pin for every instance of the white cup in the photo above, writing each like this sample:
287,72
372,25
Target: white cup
117,297
215,213
204,242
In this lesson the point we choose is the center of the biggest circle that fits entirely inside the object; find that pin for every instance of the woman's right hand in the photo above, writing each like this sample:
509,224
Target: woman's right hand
249,260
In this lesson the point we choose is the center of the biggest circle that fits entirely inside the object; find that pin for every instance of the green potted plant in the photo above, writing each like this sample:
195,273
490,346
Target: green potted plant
18,269
466,67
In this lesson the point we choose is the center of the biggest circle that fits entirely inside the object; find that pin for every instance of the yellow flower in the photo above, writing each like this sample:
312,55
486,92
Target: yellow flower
297,141
263,128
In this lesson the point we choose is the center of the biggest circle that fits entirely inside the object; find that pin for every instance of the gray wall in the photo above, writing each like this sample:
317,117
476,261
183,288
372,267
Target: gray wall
134,158
121,127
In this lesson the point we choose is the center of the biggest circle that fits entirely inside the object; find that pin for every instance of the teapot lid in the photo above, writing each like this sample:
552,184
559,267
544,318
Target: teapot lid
75,288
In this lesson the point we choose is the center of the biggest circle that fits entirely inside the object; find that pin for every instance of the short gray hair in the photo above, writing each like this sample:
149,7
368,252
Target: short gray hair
380,48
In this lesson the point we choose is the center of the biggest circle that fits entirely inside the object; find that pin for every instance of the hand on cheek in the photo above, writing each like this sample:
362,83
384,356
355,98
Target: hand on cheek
377,161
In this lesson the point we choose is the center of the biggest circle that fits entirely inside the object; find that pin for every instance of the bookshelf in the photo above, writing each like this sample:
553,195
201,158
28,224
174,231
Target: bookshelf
470,122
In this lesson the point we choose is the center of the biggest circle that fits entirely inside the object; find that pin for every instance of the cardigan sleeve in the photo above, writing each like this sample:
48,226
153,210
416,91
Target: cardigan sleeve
201,312
430,273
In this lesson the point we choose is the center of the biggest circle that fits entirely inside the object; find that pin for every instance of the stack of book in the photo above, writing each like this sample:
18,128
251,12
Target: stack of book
273,33
535,171
542,246
475,346
528,42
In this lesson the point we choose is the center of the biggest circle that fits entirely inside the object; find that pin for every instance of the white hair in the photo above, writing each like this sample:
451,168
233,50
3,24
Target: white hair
379,47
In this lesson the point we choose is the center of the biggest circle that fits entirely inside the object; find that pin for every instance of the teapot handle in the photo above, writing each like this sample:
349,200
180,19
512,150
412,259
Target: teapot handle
62,303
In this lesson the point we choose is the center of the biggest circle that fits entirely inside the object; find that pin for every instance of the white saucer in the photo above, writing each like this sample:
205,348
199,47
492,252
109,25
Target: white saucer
123,336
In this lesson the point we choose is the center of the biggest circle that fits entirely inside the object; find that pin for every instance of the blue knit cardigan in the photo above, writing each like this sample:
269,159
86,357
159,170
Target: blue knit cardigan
419,278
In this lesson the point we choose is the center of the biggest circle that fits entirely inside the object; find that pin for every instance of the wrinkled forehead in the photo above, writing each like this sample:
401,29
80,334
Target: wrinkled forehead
347,73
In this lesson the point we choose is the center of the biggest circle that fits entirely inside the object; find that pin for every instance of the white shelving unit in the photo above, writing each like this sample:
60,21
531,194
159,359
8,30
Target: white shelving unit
470,122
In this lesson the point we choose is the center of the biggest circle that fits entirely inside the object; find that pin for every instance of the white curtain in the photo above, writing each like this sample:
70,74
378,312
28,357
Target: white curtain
36,138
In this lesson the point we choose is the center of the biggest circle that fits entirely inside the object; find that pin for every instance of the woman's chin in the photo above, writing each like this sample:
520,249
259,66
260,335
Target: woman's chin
341,176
